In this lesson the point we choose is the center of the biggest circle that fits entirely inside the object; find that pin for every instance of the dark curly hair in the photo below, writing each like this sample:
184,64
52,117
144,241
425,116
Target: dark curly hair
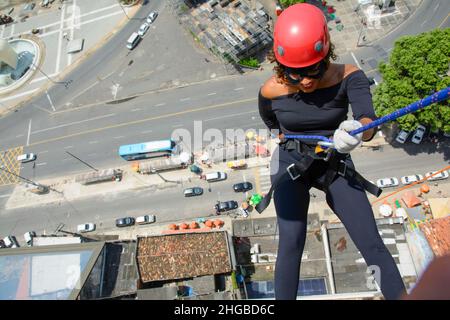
280,69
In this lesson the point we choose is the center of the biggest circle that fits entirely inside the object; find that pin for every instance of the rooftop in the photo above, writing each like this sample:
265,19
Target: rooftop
437,232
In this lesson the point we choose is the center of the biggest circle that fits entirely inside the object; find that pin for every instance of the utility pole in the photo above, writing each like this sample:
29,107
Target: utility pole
65,83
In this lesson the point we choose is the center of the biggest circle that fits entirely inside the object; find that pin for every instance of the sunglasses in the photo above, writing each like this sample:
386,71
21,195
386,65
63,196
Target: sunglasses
295,75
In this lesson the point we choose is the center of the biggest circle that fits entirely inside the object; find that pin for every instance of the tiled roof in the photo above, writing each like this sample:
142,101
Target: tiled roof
180,256
437,232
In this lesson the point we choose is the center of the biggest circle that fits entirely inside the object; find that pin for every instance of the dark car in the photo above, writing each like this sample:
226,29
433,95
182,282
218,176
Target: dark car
124,222
226,206
191,192
242,187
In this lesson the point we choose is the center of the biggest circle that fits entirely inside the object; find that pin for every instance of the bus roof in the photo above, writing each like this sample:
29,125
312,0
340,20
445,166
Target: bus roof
153,146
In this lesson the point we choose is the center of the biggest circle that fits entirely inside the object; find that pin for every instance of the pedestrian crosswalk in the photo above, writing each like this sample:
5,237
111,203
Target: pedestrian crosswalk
264,179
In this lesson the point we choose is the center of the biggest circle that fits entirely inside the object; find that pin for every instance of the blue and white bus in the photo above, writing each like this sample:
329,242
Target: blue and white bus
147,150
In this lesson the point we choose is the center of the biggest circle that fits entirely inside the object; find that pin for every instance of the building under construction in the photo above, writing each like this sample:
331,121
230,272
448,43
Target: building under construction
231,29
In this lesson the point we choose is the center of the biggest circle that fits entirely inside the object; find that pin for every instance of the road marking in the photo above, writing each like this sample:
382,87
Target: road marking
46,151
211,94
93,142
41,164
66,159
124,124
72,123
119,137
3,31
230,115
44,78
435,8
185,99
443,21
58,54
160,104
83,91
12,30
425,21
354,58
29,131
68,147
177,125
5,195
20,95
134,110
257,181
19,135
237,89
147,131
42,109
49,99
91,154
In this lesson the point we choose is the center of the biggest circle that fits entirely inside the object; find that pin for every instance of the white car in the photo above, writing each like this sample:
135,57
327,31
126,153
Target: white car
440,176
152,16
86,227
410,179
387,182
143,29
418,134
148,218
28,236
402,136
10,242
26,157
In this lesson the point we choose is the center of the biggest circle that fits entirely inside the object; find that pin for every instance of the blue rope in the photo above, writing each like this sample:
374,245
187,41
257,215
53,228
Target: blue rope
439,96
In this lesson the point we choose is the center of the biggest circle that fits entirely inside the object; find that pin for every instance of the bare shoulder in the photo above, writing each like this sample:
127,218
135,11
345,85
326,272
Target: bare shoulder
349,69
272,88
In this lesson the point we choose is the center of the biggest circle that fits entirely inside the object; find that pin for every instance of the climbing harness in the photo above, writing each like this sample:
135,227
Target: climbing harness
323,150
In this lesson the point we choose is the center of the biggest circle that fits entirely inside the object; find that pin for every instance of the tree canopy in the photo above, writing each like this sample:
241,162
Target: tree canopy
418,66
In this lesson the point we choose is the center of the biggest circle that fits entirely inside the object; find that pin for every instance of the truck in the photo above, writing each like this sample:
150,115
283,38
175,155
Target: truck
99,176
164,164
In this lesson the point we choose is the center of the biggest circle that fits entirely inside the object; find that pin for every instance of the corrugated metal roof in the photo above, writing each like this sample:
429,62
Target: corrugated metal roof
437,232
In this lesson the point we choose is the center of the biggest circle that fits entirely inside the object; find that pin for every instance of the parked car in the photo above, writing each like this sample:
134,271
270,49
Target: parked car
215,176
152,16
387,182
411,179
2,244
191,192
28,236
148,218
242,187
125,222
133,40
440,176
26,157
11,242
143,29
402,136
86,227
418,134
226,206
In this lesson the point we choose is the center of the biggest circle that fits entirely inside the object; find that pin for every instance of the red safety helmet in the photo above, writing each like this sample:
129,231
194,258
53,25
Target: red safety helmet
301,36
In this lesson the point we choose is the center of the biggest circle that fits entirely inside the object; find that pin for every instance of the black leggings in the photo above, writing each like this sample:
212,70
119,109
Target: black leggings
349,202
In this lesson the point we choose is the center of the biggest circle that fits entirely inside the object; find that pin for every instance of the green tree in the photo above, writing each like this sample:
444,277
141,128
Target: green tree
287,3
417,67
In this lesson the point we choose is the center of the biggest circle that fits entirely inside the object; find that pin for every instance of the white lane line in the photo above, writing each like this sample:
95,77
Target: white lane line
12,30
134,110
3,31
93,142
356,60
29,132
49,99
211,94
44,78
146,131
119,137
177,125
66,159
5,195
58,54
425,21
68,147
435,8
230,115
91,154
185,99
160,104
19,135
72,123
237,89
79,94
46,151
20,95
41,164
